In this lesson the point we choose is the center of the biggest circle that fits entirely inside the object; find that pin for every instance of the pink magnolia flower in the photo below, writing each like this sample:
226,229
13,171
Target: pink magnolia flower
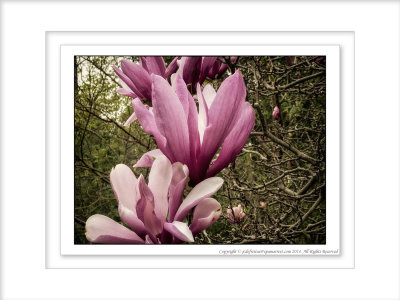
190,136
155,211
236,215
276,113
135,78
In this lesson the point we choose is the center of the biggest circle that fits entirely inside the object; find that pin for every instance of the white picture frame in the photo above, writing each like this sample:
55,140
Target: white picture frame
25,269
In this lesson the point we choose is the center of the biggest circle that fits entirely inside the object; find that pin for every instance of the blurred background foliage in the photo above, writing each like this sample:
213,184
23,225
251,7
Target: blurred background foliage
278,178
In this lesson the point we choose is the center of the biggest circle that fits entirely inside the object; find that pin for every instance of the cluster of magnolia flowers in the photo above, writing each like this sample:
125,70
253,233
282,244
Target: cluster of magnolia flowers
190,124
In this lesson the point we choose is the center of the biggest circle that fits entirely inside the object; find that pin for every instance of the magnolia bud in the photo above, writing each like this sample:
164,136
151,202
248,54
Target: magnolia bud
276,113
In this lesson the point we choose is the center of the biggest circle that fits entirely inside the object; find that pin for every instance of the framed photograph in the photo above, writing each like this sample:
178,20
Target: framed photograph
245,170
216,154
226,235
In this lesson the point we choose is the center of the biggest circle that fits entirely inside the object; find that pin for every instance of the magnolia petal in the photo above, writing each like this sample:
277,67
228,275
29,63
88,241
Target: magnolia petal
172,67
179,230
128,82
183,94
180,62
154,65
203,113
236,139
231,219
124,85
139,76
102,229
126,92
209,94
171,121
190,109
146,119
148,240
206,65
194,138
222,70
237,210
191,69
180,174
205,214
159,181
204,189
123,183
147,159
213,72
143,63
222,112
145,208
131,119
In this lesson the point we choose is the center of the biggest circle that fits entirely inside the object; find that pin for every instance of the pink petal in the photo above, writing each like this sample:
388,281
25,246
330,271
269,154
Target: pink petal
128,82
222,112
123,183
190,109
191,69
230,216
148,240
146,119
126,92
235,140
203,113
222,70
171,121
237,210
147,159
102,229
180,174
139,76
205,214
154,65
172,67
145,208
159,181
204,189
213,72
194,138
131,119
209,94
206,65
179,230
183,94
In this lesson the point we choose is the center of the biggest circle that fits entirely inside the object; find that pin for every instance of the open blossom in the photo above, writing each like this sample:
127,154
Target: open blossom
136,82
236,215
135,78
276,113
190,136
155,211
263,204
